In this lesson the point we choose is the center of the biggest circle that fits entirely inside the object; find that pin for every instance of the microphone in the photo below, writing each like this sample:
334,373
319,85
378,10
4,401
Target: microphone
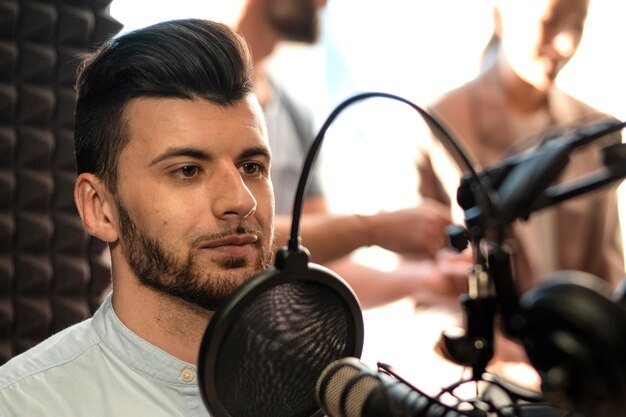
348,388
523,181
528,180
520,192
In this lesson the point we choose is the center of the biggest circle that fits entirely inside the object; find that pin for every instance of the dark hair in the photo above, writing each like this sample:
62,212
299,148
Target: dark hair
184,59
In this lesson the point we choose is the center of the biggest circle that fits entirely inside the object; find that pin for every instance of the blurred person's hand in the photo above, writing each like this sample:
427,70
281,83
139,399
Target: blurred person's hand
419,230
442,278
449,275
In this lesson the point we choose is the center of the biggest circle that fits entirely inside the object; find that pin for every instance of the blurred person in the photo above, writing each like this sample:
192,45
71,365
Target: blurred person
511,106
417,232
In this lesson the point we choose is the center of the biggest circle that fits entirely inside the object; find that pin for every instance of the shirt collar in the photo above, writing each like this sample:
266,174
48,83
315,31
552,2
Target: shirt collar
139,354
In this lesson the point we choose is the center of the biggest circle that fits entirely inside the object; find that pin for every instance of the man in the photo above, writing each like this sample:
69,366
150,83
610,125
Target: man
514,105
173,165
417,232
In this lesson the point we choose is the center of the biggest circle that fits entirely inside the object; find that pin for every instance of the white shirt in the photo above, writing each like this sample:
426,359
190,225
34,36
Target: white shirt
99,368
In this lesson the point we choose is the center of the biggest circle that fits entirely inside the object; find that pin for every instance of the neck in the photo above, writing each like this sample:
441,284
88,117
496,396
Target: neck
262,39
521,96
170,324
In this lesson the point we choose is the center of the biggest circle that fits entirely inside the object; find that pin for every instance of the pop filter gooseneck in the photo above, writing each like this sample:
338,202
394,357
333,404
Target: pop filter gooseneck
434,125
267,344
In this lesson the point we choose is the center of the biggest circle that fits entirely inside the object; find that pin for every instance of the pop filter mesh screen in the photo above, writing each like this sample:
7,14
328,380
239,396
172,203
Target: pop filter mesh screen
271,357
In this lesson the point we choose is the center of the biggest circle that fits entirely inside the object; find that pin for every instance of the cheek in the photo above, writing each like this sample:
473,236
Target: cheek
172,216
156,213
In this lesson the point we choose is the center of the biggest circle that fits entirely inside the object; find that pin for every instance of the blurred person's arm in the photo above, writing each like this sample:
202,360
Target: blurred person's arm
444,277
417,231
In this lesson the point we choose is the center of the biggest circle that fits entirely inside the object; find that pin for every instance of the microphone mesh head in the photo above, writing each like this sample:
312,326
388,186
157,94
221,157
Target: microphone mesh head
358,394
344,386
330,388
271,357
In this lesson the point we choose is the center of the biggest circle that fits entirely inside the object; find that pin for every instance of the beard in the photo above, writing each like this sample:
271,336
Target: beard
296,20
184,277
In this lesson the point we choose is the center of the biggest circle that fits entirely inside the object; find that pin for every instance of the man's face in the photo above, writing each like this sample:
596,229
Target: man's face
194,198
295,20
541,36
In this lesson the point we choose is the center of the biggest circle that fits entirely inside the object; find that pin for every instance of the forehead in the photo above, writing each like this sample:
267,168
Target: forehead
156,123
536,9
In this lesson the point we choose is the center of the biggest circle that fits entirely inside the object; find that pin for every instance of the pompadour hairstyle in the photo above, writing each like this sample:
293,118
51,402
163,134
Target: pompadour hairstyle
185,59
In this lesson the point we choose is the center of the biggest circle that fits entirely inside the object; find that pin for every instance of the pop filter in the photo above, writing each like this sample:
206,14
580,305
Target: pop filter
266,346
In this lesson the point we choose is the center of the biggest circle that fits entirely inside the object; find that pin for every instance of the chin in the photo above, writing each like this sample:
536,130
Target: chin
541,82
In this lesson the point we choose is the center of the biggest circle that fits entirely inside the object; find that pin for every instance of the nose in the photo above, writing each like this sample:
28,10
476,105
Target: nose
232,198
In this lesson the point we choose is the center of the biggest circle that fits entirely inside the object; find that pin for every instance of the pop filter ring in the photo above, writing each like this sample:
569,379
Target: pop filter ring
292,267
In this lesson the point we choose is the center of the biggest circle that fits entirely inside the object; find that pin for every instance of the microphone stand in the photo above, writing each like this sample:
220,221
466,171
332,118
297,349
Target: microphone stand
475,347
523,186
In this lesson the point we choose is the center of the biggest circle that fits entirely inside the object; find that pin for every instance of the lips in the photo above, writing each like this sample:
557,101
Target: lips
233,245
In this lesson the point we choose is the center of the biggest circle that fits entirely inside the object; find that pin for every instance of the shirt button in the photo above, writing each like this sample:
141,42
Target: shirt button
187,375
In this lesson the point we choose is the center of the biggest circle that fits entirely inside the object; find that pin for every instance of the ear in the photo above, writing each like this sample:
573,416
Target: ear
95,206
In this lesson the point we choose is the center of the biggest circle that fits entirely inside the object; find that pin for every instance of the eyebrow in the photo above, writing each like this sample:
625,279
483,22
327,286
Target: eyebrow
204,156
177,152
256,151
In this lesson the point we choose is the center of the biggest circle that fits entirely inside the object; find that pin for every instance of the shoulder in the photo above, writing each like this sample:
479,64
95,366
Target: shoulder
32,383
56,351
570,111
283,94
569,108
452,97
290,105
451,109
449,103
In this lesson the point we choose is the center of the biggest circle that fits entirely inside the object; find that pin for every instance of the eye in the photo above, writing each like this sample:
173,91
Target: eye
187,171
252,168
